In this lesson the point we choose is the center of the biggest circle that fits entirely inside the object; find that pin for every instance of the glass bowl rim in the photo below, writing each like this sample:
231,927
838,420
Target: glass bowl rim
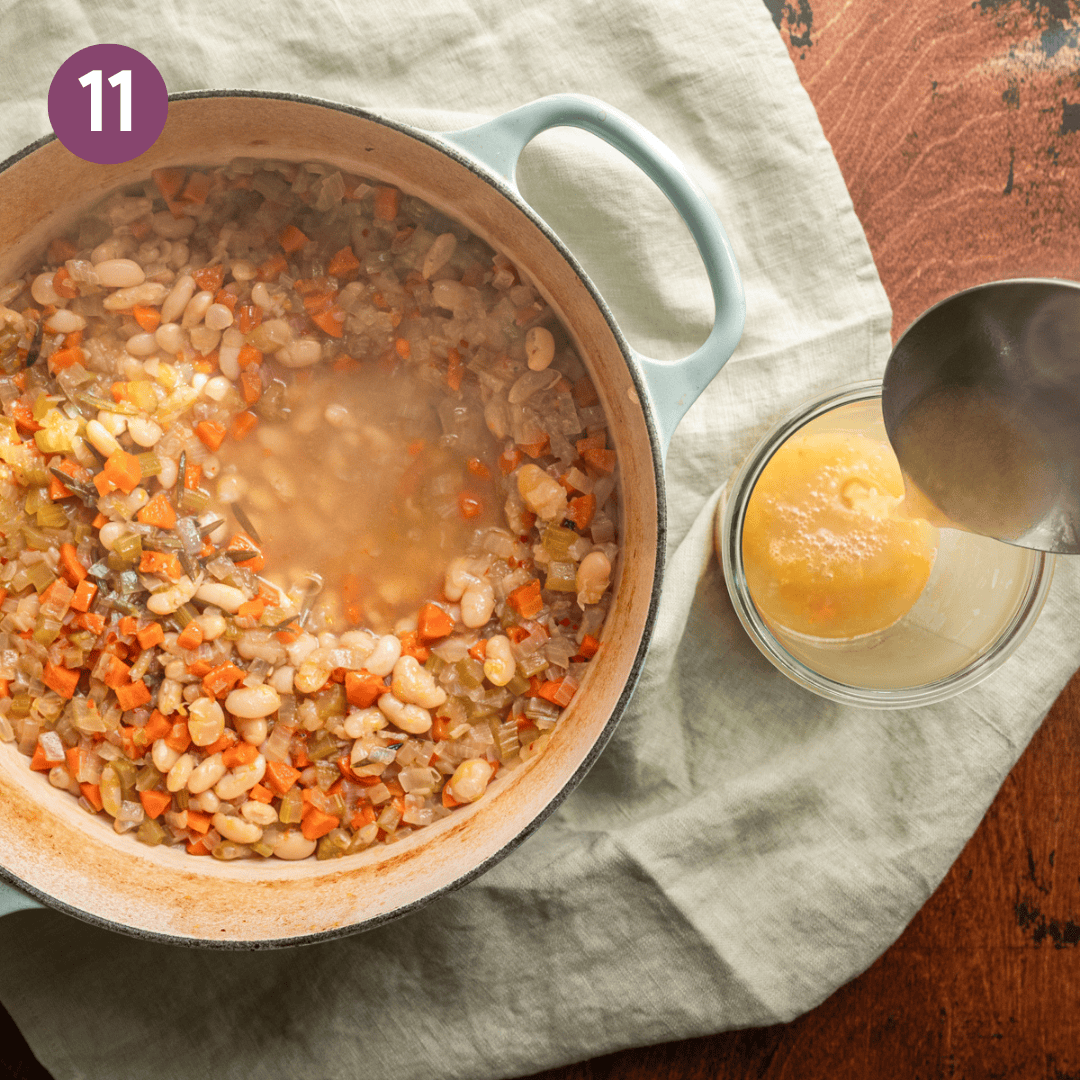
729,521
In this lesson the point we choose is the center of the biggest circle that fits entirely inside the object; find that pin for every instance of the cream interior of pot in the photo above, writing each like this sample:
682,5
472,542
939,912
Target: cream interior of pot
48,842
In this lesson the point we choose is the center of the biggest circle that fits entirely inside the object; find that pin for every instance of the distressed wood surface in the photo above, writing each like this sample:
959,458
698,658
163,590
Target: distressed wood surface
957,129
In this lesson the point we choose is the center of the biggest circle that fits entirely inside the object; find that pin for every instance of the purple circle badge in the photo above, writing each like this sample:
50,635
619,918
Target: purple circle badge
108,104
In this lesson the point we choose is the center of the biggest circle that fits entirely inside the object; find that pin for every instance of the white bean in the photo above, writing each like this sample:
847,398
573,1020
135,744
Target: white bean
149,293
593,577
252,702
196,308
499,662
180,773
170,695
203,339
217,387
169,337
381,662
114,423
168,600
110,532
43,292
64,322
212,624
470,779
449,294
206,775
543,494
218,317
439,254
233,828
164,756
206,721
172,228
169,471
362,722
141,344
259,812
252,731
243,778
206,801
182,291
415,685
409,718
459,577
144,432
226,597
244,270
282,679
539,348
119,273
229,353
293,844
101,439
301,353
312,673
477,604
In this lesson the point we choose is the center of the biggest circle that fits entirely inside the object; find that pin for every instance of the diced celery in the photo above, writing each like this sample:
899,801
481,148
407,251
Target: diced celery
40,576
46,630
557,541
147,778
470,672
331,702
518,685
561,577
227,850
150,463
323,745
532,665
194,502
333,845
150,832
260,848
52,516
292,806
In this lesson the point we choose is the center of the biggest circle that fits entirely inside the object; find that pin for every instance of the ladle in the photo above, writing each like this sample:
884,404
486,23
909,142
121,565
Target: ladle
981,400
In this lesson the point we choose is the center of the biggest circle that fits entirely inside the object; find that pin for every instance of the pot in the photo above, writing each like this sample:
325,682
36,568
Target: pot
51,851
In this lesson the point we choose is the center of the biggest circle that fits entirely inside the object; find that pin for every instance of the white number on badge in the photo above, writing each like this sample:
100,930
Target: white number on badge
122,79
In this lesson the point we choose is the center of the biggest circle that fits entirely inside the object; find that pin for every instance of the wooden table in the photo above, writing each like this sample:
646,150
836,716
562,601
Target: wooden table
957,128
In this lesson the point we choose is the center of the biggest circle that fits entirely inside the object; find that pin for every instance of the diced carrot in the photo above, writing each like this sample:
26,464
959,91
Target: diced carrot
196,847
479,650
148,318
362,689
536,449
151,635
193,478
291,239
211,433
227,299
219,746
210,278
196,189
198,821
132,695
433,623
65,358
23,416
317,823
161,562
221,679
158,511
179,737
91,620
155,803
58,490
387,202
588,647
38,762
402,348
509,460
60,679
281,776
127,626
72,339
249,357
64,285
300,756
526,599
5,688
250,386
158,726
70,565
343,264
261,794
412,646
580,510
75,758
103,484
331,321
470,505
123,470
455,369
141,229
92,794
242,542
591,442
553,690
604,460
250,317
478,468
272,268
517,633
243,753
365,815
199,667
243,425
191,637
169,181
252,609
448,800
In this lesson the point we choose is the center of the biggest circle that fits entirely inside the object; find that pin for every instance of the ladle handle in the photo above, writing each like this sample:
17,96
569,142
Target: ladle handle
672,386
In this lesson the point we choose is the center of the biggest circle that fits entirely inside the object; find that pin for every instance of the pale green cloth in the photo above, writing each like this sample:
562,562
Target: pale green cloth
742,848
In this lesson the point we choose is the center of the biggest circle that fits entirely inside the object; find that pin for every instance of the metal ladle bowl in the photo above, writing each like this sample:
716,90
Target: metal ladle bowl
981,400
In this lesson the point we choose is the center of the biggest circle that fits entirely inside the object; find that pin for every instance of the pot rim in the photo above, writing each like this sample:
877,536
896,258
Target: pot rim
508,192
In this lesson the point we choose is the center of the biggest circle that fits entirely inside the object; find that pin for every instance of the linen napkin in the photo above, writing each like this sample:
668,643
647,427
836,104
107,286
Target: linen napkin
742,848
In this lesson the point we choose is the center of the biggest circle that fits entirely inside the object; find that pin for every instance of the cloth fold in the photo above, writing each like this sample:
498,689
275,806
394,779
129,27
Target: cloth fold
741,848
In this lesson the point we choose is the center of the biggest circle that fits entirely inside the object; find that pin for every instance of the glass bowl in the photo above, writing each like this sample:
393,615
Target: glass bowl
981,599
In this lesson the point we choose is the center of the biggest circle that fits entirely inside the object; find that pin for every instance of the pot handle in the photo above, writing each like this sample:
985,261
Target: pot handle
12,899
673,386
